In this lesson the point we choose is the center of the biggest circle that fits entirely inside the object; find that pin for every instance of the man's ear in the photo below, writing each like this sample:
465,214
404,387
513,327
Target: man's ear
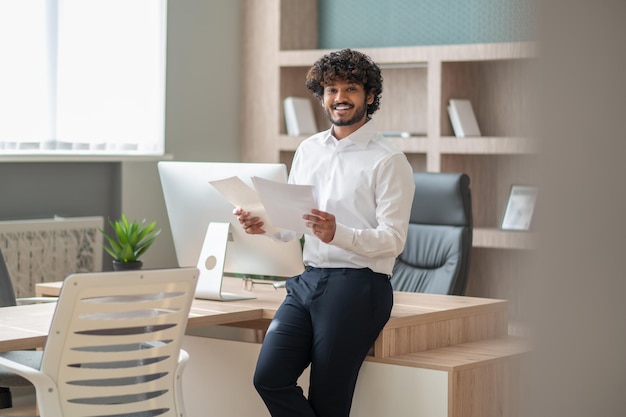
370,97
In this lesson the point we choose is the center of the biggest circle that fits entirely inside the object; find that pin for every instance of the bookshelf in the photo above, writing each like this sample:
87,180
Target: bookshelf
280,45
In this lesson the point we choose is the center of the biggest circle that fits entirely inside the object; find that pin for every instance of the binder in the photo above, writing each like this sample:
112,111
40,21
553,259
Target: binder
299,116
462,118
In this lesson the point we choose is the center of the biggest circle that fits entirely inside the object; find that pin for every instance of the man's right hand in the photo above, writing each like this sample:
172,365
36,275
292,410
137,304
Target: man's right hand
252,225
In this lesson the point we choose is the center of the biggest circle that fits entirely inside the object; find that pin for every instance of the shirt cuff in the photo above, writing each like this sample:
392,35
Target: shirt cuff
344,237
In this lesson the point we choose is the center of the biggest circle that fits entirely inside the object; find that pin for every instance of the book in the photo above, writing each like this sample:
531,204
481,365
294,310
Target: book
462,118
299,116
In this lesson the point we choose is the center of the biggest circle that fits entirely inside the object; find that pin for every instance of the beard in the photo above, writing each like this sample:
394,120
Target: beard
356,117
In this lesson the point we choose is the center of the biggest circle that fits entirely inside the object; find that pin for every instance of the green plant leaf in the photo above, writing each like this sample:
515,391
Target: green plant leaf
130,239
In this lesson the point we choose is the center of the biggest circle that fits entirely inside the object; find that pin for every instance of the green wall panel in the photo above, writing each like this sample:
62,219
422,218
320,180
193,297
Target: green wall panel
381,23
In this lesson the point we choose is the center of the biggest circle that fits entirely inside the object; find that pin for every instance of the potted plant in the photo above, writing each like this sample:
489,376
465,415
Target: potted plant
129,241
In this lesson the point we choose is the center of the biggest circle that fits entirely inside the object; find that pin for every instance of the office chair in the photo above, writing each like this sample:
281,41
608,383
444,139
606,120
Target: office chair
30,358
436,256
114,346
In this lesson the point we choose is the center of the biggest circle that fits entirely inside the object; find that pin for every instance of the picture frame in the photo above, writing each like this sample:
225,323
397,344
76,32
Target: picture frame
519,208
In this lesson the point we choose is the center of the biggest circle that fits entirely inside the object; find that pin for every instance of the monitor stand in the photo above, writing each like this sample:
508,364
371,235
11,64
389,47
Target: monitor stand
211,265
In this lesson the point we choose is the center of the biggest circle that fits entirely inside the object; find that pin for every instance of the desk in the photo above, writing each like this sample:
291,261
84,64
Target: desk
444,356
418,321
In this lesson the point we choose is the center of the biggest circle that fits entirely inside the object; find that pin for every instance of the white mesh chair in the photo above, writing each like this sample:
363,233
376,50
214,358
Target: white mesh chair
114,346
30,358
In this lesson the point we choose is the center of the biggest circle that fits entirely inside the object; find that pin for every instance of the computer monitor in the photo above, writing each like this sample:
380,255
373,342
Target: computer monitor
193,205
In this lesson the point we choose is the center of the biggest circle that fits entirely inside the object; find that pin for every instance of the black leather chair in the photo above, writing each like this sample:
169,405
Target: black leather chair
436,257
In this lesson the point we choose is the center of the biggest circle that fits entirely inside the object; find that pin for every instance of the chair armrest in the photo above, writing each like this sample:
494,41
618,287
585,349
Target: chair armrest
35,376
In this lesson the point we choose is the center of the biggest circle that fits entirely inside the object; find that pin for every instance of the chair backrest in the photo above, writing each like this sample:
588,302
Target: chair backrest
436,256
115,340
7,293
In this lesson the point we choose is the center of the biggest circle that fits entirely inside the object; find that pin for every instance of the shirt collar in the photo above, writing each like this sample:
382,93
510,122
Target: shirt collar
361,137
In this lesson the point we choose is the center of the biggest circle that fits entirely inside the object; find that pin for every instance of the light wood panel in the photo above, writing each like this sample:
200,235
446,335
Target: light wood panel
496,238
498,91
436,334
401,108
260,79
485,378
491,177
298,24
418,321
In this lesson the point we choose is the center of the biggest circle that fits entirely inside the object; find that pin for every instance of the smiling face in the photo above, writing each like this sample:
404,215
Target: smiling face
345,104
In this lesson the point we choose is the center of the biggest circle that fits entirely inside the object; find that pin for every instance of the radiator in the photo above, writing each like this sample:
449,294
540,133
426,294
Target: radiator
44,250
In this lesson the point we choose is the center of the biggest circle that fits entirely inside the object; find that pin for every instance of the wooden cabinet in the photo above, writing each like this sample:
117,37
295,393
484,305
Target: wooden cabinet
279,46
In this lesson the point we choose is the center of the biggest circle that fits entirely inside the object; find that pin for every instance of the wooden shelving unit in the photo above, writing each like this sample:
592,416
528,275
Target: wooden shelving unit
280,45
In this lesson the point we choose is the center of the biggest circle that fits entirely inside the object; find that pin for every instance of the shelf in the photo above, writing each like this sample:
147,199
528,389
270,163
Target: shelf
419,54
467,146
413,144
502,239
82,158
487,145
411,55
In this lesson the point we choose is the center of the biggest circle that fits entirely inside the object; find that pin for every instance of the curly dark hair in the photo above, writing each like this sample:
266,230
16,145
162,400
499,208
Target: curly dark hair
346,65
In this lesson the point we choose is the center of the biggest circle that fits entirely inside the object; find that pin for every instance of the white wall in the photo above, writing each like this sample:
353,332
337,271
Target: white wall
203,96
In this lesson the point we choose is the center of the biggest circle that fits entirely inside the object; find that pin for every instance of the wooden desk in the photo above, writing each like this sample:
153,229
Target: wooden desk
444,356
418,321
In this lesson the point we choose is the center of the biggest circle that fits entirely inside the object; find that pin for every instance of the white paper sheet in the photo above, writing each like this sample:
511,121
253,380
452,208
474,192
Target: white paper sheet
239,194
286,203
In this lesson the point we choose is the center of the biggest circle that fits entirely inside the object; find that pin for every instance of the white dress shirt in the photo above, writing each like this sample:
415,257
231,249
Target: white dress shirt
367,184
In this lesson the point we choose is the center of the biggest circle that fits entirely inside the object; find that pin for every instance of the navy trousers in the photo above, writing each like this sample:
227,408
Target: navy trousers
329,319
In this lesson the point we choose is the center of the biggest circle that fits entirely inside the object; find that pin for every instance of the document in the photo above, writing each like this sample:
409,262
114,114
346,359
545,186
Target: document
286,203
239,194
279,205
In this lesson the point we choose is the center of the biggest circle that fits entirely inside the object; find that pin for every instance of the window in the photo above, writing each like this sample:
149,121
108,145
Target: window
82,76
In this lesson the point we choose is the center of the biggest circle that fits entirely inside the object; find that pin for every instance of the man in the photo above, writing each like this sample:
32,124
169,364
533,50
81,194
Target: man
334,311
